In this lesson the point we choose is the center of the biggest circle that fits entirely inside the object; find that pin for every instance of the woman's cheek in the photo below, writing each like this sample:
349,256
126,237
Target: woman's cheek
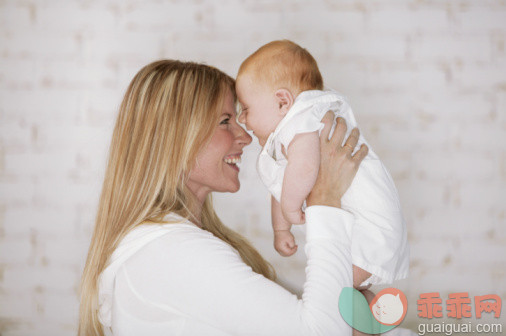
229,139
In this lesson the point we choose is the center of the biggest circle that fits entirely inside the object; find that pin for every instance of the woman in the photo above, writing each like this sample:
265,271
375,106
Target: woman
161,261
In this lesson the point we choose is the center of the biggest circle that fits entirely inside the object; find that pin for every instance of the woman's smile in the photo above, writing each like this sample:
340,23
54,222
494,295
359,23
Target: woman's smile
233,160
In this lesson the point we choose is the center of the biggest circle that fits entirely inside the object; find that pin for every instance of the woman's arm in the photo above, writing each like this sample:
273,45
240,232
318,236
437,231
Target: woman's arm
192,276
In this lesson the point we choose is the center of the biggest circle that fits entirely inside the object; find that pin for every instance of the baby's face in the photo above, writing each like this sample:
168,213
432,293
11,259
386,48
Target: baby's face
260,108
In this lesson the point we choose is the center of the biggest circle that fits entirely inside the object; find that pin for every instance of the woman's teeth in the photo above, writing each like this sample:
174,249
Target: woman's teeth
233,160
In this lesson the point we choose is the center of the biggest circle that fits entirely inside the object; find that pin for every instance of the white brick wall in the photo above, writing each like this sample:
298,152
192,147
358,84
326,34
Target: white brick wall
427,80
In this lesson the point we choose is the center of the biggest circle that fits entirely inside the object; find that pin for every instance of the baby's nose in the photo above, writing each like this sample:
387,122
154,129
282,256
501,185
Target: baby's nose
243,136
242,118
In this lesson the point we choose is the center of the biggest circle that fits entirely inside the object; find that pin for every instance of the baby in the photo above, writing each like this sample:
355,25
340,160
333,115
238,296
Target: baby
283,100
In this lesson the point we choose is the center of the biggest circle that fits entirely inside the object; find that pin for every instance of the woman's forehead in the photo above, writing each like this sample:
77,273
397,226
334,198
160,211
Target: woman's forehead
230,105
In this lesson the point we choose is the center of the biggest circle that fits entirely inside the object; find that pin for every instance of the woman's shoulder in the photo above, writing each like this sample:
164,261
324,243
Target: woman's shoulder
178,236
181,252
173,228
152,252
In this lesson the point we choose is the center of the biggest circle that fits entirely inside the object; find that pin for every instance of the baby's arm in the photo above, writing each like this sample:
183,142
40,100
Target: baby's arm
300,174
284,241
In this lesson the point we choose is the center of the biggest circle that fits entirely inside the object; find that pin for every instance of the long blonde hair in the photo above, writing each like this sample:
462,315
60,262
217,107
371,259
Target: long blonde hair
169,112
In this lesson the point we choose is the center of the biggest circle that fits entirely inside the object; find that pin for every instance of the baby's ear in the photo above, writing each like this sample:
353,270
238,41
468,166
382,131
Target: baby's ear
284,99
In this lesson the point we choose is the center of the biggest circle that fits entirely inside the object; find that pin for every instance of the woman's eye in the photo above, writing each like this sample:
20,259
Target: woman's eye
225,121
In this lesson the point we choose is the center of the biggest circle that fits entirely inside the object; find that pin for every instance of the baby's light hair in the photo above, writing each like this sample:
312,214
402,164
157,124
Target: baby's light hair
283,64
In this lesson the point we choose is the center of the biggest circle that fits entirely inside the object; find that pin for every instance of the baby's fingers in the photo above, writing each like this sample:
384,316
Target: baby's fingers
288,249
292,248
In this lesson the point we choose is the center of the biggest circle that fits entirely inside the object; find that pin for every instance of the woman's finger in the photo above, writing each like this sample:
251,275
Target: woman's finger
339,132
352,140
327,120
360,154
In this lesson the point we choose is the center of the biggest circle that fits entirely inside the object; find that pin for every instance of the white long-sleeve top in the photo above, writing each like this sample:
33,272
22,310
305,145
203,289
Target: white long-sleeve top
177,279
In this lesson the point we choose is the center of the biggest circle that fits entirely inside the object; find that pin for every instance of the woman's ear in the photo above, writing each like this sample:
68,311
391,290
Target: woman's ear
284,99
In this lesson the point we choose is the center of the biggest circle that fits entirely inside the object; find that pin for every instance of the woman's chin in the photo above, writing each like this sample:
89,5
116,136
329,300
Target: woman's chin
233,183
235,188
230,187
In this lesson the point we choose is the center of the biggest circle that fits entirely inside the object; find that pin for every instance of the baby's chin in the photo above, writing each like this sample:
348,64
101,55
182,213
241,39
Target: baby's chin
261,141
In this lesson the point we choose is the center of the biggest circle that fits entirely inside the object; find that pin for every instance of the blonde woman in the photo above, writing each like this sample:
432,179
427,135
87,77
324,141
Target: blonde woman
162,263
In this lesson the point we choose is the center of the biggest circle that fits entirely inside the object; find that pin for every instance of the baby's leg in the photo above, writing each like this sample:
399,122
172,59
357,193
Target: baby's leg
300,175
359,276
284,241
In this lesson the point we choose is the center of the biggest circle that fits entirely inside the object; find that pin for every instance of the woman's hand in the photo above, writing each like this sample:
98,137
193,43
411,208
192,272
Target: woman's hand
337,164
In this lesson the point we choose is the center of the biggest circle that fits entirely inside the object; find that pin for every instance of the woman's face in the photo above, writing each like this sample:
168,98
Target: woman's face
215,168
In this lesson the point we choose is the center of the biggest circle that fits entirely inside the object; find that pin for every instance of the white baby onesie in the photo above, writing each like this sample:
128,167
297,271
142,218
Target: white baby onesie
379,243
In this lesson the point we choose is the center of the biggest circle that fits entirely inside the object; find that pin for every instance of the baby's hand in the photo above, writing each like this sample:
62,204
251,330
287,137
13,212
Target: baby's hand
284,243
294,217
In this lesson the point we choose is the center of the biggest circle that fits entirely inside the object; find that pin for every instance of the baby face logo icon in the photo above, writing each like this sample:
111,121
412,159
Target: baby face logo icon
389,306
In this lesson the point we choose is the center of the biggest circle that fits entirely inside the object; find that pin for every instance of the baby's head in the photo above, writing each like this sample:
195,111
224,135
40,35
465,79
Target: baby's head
268,82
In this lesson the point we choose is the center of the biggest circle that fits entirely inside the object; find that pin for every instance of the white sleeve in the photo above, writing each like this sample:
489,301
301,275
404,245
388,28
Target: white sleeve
203,277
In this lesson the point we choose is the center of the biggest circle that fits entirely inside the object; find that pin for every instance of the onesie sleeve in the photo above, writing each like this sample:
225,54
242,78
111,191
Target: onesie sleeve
305,121
204,278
